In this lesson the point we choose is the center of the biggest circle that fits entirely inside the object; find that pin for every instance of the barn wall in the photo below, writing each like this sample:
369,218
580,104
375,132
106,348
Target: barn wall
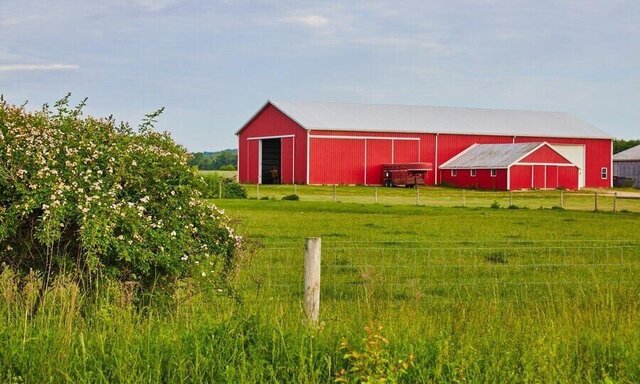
597,155
271,122
482,180
545,154
521,177
338,147
627,169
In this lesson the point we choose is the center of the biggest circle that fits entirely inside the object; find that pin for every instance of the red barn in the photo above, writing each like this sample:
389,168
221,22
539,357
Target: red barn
342,143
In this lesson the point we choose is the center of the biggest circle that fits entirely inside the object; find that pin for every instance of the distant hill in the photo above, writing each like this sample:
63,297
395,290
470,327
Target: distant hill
220,160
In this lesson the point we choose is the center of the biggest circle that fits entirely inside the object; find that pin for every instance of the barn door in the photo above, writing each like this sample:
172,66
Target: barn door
270,164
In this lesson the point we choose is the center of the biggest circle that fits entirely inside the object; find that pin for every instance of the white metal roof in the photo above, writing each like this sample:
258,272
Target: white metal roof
491,155
630,154
419,119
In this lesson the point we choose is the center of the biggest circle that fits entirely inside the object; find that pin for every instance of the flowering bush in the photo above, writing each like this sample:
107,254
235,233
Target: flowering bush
96,198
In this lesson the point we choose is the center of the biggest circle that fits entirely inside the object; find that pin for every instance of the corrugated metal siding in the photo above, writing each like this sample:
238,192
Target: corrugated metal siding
545,155
378,153
337,161
568,177
539,177
286,160
598,155
552,176
271,122
482,180
627,169
520,177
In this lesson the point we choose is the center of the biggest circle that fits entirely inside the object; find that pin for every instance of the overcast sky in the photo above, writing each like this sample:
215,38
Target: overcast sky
213,64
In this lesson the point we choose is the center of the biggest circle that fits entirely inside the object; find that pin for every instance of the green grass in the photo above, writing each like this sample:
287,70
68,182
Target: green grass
476,294
231,174
450,197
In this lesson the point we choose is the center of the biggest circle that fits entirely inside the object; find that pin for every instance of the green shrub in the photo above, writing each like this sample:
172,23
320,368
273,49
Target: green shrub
231,189
292,196
95,198
228,167
495,205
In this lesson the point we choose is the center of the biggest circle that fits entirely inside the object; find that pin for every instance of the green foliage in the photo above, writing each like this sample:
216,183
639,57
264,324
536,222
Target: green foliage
231,189
225,160
374,364
495,205
292,196
620,145
95,198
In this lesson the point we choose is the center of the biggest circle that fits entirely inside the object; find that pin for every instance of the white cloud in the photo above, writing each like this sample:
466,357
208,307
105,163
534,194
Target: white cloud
155,5
311,21
38,67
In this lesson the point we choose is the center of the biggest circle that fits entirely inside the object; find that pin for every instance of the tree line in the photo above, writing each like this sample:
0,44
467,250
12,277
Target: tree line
224,160
620,145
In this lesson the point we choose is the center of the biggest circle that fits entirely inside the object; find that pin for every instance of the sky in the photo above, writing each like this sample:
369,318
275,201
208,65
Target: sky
213,64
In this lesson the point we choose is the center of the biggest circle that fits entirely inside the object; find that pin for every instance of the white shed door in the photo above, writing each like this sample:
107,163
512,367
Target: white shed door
576,155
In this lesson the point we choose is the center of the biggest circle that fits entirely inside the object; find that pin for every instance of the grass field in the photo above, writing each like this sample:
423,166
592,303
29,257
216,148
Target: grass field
475,294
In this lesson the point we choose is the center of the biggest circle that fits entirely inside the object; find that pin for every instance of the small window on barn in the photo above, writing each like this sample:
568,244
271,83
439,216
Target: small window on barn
454,172
473,173
494,172
603,173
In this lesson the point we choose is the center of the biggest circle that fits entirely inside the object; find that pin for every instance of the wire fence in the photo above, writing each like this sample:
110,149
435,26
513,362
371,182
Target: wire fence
445,272
600,200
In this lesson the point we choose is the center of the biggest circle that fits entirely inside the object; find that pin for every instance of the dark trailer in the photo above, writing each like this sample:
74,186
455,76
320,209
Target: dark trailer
405,174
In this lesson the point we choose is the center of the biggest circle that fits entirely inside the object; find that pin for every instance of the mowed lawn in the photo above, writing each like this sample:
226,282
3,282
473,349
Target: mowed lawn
477,294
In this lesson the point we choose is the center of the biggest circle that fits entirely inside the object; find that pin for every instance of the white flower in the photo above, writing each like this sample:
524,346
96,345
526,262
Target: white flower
204,274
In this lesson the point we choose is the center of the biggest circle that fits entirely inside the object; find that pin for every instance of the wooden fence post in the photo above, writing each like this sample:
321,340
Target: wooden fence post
510,198
464,199
595,202
258,190
615,197
334,192
417,194
312,259
562,199
375,194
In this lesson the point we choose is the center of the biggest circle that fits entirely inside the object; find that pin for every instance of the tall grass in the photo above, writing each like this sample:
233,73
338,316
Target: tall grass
587,331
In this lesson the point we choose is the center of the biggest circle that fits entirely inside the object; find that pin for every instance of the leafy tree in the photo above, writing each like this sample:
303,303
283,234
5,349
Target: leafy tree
221,160
620,145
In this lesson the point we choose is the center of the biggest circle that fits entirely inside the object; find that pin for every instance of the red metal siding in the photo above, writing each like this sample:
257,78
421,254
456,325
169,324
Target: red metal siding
482,180
538,176
545,155
568,177
286,160
406,151
378,153
597,155
337,161
271,122
520,177
552,176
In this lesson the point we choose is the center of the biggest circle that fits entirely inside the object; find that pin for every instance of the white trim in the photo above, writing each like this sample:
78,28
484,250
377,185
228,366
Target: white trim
509,176
248,165
606,171
554,164
419,141
533,172
269,137
365,162
454,173
531,151
260,162
494,174
473,172
293,161
363,137
610,176
435,163
465,167
238,159
393,151
545,176
308,156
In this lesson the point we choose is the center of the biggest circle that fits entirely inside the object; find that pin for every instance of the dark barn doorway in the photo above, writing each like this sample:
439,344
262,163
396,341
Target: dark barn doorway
271,158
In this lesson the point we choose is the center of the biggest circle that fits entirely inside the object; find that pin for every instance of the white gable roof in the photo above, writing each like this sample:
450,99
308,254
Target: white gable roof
630,154
491,155
421,119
